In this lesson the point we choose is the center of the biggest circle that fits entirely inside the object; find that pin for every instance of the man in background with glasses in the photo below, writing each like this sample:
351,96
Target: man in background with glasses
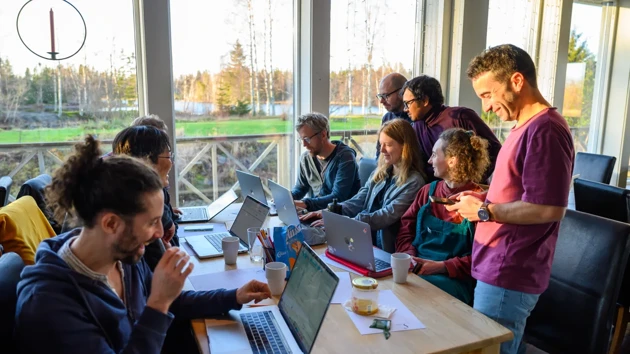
389,96
328,169
423,100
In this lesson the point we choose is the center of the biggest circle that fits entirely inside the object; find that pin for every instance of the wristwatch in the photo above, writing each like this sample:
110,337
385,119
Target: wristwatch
483,213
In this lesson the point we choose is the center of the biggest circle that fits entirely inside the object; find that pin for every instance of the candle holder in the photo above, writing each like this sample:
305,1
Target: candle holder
53,53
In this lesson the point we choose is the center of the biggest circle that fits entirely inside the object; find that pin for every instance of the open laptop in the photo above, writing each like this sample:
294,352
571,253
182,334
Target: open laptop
252,185
290,327
351,240
252,214
288,214
206,213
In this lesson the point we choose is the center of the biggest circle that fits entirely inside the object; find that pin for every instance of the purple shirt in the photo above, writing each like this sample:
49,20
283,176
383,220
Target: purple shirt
441,118
535,166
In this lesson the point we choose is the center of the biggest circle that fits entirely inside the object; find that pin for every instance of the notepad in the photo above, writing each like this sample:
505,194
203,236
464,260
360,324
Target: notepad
229,279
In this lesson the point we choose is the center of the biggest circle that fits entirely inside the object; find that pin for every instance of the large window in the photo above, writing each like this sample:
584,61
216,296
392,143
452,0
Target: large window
233,77
581,68
46,105
368,40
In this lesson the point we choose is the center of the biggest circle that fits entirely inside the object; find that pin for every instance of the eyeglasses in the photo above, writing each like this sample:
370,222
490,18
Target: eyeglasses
383,96
406,103
172,157
307,139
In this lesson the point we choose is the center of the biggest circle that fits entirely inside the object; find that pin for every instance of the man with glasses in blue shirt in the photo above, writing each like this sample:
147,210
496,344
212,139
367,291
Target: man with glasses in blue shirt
328,169
389,96
423,100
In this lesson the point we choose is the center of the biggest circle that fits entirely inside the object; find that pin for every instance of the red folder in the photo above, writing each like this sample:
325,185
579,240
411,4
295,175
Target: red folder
359,269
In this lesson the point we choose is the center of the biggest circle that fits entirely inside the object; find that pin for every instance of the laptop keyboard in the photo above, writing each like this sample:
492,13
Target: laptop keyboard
263,334
215,239
381,265
196,214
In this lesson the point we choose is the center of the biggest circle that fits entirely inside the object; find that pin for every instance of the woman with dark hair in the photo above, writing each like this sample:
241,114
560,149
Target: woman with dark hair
442,240
90,290
152,145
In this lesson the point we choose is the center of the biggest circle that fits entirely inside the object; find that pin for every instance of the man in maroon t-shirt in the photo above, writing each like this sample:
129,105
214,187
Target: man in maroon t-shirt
424,102
516,237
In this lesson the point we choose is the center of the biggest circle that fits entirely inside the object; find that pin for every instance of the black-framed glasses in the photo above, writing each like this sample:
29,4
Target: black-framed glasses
406,103
308,138
382,96
172,157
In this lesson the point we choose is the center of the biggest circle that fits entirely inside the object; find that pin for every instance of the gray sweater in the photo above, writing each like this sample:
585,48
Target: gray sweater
386,220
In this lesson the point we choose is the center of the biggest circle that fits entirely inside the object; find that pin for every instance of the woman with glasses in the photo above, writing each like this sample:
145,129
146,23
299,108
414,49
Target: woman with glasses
423,100
439,240
152,145
390,188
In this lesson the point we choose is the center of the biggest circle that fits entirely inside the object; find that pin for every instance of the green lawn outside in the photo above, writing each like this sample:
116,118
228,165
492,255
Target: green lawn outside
184,129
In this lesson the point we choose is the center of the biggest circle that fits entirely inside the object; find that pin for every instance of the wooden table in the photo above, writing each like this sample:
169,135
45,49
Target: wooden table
451,326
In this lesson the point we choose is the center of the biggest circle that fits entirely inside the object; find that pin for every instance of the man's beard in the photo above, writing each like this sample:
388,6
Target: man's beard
126,249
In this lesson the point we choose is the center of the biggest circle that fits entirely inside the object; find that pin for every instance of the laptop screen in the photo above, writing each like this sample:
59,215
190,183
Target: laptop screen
252,214
307,296
283,200
251,185
221,203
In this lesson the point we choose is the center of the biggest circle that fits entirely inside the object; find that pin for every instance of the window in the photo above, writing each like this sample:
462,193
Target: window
581,69
47,105
369,39
233,77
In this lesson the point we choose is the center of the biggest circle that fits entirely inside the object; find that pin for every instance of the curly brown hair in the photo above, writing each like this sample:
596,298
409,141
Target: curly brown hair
87,184
503,61
471,152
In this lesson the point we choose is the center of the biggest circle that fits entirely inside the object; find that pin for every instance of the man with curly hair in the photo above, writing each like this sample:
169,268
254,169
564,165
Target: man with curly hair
424,102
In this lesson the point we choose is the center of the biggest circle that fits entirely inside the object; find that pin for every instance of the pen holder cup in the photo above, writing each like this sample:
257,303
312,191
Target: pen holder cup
269,254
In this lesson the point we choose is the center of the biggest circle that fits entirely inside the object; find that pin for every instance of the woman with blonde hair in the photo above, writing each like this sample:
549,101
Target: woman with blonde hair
439,240
391,187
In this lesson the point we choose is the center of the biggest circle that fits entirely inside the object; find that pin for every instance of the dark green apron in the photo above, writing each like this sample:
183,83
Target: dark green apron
438,240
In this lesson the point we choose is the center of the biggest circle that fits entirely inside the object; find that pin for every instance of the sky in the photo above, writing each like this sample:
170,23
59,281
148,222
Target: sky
203,32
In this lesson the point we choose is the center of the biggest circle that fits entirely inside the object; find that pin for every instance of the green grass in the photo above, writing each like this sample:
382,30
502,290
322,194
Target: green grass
184,129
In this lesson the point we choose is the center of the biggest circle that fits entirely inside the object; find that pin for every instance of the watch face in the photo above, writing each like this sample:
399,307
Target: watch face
483,215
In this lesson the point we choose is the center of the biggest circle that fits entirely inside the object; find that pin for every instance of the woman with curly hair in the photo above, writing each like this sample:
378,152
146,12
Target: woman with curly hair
439,240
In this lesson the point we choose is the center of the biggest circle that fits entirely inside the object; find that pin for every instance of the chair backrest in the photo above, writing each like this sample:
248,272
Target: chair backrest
609,202
575,313
11,266
366,167
22,227
594,167
5,190
35,187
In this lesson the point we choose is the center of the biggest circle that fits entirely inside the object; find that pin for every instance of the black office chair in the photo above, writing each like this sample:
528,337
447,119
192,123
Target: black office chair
11,266
35,187
366,167
575,313
594,167
5,189
612,203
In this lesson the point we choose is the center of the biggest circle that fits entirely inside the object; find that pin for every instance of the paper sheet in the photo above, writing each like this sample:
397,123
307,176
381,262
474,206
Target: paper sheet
182,233
336,264
229,279
402,319
344,288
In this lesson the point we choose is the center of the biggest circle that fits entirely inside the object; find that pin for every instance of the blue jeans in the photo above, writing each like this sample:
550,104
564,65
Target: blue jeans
509,308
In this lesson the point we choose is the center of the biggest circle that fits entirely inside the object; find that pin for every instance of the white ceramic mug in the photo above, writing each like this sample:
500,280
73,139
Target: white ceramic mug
230,246
400,267
276,272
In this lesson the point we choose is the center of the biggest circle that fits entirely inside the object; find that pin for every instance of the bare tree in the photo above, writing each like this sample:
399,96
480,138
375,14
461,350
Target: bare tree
272,99
371,21
253,57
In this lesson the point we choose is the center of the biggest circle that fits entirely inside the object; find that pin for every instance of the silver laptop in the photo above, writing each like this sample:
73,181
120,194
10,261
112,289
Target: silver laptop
252,185
287,213
206,213
351,240
290,327
252,214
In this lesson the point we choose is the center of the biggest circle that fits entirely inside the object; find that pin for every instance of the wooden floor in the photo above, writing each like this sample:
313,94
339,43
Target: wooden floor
625,347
